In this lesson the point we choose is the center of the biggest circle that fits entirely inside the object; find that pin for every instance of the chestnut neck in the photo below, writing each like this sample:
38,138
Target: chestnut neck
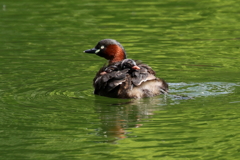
114,53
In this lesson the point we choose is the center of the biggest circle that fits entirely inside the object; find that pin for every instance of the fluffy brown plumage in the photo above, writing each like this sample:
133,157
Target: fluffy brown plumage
124,78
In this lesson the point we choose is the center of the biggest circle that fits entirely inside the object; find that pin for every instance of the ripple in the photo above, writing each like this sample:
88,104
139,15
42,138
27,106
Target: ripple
41,96
191,90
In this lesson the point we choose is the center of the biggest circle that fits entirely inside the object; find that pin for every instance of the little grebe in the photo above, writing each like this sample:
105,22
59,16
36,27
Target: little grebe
126,63
124,78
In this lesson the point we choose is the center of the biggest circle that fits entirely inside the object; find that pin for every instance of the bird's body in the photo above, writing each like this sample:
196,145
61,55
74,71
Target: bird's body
124,78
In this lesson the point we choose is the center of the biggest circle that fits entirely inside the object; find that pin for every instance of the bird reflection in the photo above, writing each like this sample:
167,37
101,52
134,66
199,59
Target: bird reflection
117,118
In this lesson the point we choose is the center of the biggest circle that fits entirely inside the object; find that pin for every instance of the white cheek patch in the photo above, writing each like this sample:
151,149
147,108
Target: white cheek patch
102,47
97,51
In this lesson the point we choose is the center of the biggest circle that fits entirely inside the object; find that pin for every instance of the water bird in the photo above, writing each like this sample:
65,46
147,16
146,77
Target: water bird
122,77
126,63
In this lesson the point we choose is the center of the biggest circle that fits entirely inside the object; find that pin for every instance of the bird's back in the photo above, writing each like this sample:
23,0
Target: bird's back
125,82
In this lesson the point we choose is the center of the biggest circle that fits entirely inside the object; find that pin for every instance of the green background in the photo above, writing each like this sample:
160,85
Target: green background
47,106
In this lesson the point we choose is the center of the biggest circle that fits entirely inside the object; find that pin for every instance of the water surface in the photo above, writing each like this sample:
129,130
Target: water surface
48,110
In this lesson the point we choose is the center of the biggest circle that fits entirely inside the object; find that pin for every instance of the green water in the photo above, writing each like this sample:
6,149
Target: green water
47,106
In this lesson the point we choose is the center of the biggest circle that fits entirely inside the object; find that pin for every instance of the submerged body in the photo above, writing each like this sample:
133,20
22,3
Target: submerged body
124,78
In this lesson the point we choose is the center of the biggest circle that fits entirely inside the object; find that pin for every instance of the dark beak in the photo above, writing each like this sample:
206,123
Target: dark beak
93,50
